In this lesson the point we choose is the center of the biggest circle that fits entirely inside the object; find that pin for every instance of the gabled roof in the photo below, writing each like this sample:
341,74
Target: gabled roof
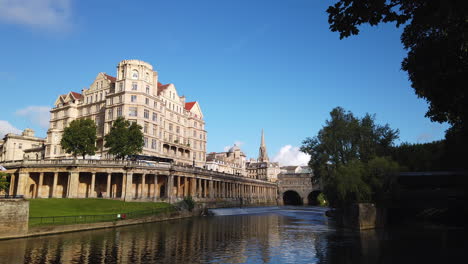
77,96
162,87
189,105
110,78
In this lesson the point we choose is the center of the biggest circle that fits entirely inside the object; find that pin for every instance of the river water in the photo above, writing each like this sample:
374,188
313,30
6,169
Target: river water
258,235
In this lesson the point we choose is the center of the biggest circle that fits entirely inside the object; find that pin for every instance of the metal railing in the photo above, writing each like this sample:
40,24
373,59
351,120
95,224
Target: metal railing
7,196
82,219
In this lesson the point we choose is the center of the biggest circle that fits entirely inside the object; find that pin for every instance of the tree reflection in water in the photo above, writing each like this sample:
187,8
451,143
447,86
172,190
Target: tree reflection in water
283,236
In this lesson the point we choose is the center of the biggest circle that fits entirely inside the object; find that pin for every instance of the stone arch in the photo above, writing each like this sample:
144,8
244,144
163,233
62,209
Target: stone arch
312,197
292,197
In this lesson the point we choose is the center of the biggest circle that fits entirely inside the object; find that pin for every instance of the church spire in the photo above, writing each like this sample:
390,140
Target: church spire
262,153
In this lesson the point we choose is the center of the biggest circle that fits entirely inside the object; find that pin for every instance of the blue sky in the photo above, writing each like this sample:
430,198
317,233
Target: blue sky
251,64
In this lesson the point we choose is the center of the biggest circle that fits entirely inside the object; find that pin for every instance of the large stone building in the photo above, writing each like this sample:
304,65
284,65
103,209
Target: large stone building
233,161
262,168
19,147
173,128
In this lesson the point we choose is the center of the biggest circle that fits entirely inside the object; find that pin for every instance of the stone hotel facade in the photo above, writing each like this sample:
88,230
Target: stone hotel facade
173,128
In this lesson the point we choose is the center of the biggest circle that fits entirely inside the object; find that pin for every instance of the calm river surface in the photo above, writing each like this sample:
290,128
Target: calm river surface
281,235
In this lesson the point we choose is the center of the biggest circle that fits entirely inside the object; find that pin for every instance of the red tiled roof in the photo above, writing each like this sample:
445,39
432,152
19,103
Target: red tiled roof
110,78
189,105
77,96
162,87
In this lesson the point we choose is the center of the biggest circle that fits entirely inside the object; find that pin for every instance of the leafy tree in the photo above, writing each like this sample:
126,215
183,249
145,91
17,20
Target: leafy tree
421,157
125,138
79,138
436,38
4,184
341,154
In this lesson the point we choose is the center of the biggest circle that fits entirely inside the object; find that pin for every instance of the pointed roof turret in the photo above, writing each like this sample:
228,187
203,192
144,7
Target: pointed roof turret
262,153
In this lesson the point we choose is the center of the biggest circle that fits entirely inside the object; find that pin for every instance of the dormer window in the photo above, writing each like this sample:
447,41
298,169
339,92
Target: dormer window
135,74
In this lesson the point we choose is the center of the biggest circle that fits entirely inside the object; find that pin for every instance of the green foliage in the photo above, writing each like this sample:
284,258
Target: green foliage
436,40
421,157
125,138
187,203
79,138
344,155
322,200
4,184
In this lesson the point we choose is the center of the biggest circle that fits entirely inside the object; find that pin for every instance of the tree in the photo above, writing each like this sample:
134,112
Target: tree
4,184
436,37
79,138
342,152
125,138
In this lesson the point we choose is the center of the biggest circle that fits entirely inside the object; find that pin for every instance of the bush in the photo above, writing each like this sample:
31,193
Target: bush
322,200
187,203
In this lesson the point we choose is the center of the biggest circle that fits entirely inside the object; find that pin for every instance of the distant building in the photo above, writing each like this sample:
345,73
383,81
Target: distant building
262,168
233,161
24,146
295,169
172,127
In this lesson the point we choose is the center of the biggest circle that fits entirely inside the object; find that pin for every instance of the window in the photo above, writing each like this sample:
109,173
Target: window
146,142
155,117
135,74
170,138
119,111
147,89
155,130
110,114
153,143
145,128
100,95
155,104
147,101
134,86
178,130
120,99
195,134
121,86
147,76
133,98
146,114
132,111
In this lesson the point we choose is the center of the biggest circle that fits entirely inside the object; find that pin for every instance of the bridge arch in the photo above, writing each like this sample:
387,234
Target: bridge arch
312,197
291,197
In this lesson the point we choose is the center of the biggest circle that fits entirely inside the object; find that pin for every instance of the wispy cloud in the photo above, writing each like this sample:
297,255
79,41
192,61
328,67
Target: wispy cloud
6,127
38,115
49,14
237,143
291,156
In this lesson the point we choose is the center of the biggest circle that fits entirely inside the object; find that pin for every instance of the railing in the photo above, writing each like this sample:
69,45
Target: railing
82,219
128,163
7,196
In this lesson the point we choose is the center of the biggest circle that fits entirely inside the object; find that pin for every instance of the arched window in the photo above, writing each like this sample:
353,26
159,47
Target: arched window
134,74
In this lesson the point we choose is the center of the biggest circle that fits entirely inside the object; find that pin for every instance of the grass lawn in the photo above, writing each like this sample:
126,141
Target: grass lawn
69,207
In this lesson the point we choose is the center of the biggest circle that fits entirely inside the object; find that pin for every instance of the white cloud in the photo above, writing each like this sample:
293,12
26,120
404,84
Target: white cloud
52,14
291,156
38,115
6,127
237,143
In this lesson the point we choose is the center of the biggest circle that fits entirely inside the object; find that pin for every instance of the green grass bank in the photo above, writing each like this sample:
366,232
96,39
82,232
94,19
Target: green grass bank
74,211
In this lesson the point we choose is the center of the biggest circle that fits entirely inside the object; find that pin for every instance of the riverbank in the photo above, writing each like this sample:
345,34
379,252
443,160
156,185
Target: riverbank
58,229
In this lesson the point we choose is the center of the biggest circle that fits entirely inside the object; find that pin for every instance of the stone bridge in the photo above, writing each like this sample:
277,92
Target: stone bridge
133,180
297,189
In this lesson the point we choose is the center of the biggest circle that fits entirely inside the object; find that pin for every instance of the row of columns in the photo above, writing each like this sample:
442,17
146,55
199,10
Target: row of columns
130,186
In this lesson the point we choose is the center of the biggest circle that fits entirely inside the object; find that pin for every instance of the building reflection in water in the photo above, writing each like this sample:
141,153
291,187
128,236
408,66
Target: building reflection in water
266,238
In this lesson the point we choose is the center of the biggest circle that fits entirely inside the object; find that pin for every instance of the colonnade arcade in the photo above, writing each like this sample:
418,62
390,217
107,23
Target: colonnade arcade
136,184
